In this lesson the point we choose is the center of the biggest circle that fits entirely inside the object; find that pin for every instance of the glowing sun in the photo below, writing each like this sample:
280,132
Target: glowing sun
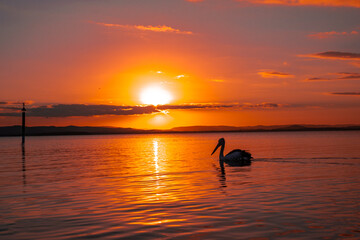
155,96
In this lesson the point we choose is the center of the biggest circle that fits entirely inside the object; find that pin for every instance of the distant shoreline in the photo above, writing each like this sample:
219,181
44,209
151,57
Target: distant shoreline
9,131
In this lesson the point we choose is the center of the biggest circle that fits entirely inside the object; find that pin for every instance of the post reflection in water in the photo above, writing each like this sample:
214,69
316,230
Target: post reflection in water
23,164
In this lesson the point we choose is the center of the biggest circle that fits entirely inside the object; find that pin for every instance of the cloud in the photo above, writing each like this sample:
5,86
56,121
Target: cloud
210,106
356,64
346,93
218,80
334,55
348,76
265,105
180,76
64,110
195,106
149,28
14,103
12,106
323,35
9,108
318,79
274,74
341,76
83,110
324,3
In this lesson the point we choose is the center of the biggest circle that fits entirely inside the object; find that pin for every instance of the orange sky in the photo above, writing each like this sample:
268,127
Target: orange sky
224,62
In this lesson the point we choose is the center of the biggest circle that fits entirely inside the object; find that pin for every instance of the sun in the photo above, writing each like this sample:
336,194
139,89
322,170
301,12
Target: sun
155,95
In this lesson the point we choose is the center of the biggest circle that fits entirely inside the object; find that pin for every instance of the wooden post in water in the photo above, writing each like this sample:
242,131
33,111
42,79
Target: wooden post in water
23,110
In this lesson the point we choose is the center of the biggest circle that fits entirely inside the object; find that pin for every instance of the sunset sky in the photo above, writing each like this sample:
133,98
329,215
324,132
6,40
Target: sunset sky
210,62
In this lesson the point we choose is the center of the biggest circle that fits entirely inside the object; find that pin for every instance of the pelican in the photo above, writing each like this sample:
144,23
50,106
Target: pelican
236,157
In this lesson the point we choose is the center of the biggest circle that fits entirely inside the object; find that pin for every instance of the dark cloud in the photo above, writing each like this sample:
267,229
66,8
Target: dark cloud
341,76
262,105
6,106
335,55
196,106
348,76
9,108
67,110
317,79
346,93
221,106
10,103
83,110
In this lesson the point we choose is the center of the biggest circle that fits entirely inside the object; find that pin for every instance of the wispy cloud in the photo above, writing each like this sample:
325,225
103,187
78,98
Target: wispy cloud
180,76
348,76
274,74
323,35
149,28
356,64
340,76
334,3
317,79
334,55
346,93
218,80
325,3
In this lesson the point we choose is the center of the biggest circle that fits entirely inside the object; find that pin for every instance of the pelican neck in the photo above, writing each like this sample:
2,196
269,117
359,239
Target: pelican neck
222,151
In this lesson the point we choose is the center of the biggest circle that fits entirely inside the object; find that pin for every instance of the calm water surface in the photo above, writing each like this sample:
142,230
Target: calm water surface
301,185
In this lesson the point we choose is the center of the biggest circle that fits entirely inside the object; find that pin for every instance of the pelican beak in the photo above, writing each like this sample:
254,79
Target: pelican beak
217,146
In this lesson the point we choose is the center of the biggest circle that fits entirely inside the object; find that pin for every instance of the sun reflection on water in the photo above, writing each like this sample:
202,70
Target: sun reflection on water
156,157
156,164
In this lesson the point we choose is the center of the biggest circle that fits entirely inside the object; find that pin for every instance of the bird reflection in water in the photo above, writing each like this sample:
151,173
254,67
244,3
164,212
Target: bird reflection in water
222,175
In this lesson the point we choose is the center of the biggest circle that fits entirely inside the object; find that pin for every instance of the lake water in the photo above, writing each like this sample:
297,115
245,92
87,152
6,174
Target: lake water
301,185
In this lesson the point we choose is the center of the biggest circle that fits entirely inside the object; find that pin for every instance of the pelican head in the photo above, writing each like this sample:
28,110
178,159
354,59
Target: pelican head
220,143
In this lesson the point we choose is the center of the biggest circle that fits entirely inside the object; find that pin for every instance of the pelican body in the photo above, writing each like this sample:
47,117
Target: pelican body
236,157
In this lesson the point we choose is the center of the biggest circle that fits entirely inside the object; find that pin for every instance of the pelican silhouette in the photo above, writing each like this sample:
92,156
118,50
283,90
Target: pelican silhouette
236,157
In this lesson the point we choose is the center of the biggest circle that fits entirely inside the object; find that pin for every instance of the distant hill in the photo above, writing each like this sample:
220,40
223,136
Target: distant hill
76,130
261,128
69,130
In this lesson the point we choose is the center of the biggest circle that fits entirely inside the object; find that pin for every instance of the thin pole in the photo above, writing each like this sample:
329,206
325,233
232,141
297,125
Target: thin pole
23,110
